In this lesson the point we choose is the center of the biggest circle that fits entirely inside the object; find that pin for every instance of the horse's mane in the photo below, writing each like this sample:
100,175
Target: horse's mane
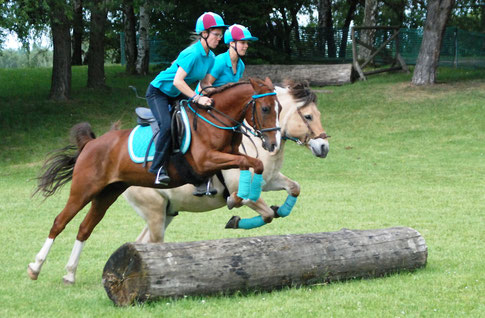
301,91
222,88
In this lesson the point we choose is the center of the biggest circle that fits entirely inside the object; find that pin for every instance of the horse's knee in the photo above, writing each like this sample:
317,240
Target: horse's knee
294,189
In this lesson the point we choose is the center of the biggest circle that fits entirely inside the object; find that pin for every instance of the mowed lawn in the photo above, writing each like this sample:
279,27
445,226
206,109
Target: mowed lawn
399,156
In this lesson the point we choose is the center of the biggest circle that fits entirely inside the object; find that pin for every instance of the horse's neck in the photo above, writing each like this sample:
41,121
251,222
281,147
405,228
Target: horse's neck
233,100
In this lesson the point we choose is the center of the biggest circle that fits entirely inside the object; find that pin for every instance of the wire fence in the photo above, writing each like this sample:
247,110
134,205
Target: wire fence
319,45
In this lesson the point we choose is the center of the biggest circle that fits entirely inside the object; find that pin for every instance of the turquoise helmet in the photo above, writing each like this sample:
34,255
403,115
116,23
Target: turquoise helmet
237,32
209,20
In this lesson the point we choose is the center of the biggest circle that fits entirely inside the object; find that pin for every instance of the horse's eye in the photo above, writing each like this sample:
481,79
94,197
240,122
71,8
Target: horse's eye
265,109
308,117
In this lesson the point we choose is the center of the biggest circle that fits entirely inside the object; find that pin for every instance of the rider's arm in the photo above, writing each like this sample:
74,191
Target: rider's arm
207,81
179,82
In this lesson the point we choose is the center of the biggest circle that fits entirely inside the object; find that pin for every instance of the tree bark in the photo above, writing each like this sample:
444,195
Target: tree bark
438,12
77,33
130,36
96,44
61,38
140,272
370,19
143,57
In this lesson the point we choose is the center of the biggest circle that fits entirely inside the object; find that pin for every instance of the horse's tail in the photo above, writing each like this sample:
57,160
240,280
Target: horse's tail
58,168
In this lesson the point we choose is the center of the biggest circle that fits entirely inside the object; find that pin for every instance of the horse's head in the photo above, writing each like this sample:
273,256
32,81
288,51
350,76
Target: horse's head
300,117
264,116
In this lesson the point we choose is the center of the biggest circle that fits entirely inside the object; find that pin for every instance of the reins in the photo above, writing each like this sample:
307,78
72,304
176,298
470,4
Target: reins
239,125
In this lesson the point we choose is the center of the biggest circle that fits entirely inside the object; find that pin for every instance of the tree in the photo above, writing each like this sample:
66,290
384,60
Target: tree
370,19
61,65
429,54
130,36
96,44
143,58
325,24
77,33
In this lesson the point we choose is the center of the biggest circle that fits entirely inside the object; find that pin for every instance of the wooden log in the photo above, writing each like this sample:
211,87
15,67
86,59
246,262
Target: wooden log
138,272
315,74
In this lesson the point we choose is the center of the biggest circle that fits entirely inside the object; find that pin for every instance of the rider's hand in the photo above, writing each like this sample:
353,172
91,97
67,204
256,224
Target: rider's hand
204,101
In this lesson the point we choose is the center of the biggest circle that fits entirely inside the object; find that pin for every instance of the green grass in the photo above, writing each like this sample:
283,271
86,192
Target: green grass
399,156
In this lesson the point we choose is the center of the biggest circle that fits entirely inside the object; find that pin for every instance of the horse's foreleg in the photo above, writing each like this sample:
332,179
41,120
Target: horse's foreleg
100,203
249,187
74,204
282,182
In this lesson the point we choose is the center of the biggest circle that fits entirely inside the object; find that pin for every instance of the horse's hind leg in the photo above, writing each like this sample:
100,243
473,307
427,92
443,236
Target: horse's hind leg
100,203
76,201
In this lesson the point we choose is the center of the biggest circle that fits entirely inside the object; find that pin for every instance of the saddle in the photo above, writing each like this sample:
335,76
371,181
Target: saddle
180,128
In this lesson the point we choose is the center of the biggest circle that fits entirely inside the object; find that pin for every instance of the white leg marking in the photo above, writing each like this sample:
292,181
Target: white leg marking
71,266
34,268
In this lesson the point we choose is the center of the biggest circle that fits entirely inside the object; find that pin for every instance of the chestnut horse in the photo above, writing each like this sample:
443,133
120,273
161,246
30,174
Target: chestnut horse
101,169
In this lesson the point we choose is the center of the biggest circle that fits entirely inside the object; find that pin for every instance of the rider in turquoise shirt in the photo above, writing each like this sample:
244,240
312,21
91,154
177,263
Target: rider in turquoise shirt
191,66
193,60
229,67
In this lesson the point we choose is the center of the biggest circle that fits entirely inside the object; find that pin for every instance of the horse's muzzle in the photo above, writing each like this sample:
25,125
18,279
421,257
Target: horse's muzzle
319,147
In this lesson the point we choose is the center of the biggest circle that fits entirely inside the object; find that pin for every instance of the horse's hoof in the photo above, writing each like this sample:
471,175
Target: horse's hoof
68,280
233,222
32,274
275,210
231,203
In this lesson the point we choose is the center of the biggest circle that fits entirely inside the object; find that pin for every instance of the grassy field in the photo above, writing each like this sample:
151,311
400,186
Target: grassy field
399,156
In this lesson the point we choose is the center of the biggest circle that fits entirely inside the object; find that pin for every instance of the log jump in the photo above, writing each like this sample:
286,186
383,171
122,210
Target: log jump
138,272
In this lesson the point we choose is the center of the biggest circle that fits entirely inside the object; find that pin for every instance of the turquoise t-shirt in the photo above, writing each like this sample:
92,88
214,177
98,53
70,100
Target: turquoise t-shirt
193,60
222,71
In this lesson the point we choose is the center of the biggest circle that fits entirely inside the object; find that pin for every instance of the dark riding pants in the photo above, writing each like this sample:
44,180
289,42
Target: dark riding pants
159,104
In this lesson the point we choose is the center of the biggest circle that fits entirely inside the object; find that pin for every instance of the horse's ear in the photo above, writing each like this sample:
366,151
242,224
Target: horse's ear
268,82
256,83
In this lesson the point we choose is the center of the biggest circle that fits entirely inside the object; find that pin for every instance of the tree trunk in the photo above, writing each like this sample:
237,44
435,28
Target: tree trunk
143,58
130,36
77,34
140,272
61,38
438,12
345,30
96,44
367,36
325,20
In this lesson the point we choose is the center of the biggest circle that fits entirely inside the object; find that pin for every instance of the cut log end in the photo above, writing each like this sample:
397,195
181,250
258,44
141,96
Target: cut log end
124,276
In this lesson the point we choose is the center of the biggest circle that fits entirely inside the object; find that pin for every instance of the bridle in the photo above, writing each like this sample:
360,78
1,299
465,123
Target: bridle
254,117
308,135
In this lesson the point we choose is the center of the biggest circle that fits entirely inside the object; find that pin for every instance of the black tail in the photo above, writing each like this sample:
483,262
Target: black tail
58,168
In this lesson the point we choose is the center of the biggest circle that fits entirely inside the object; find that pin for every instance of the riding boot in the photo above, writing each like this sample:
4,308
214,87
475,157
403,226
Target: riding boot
205,189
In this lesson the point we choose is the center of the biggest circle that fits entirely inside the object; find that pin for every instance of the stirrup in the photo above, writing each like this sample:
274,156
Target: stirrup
162,177
204,189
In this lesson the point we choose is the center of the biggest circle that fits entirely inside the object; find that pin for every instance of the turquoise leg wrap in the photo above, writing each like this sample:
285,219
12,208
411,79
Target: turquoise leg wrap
255,192
251,223
286,208
244,184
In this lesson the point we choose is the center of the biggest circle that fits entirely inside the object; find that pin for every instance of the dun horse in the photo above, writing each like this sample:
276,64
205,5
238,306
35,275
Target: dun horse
101,169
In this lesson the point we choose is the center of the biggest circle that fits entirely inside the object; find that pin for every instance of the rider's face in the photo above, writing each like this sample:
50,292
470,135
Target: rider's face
242,47
215,36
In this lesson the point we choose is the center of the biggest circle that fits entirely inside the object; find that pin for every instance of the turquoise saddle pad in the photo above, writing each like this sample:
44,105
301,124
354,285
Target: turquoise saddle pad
138,142
140,137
